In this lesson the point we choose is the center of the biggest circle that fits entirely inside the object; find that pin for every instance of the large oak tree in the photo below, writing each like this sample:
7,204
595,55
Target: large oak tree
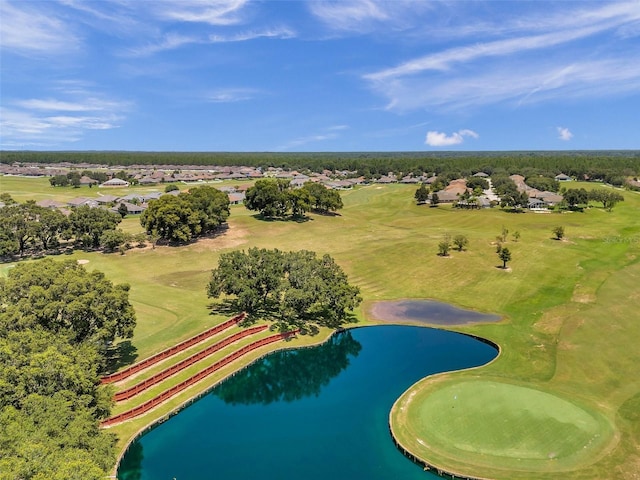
293,288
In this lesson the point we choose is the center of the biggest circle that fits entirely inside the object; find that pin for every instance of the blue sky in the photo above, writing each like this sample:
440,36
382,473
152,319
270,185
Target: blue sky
366,75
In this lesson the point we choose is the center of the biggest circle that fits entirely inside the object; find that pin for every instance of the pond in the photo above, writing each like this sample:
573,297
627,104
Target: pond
427,311
314,413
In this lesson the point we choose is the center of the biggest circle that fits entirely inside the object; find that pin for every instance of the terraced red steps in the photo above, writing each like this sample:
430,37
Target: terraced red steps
187,362
167,394
152,360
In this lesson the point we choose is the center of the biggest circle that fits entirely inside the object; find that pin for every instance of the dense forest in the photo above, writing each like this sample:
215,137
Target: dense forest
593,164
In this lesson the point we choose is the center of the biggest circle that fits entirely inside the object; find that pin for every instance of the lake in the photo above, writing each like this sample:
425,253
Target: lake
314,413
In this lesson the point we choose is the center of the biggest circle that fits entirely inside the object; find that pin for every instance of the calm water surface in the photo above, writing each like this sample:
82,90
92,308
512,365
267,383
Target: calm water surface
316,413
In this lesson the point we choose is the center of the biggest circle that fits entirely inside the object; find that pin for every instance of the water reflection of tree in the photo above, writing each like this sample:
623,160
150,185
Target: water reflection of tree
131,466
290,375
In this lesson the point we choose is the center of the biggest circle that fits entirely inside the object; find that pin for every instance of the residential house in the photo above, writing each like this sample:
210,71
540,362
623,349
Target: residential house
563,178
115,182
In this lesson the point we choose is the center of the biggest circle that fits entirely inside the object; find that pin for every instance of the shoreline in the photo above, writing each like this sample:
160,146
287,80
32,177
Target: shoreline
371,323
196,396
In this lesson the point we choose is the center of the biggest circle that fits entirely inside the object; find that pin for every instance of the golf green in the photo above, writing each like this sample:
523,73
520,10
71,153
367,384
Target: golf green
468,425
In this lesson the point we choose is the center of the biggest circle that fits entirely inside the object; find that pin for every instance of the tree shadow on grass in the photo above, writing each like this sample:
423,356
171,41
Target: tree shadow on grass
288,218
326,214
307,325
122,354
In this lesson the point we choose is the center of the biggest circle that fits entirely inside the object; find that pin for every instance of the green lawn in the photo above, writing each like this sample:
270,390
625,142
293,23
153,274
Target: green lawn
495,428
569,335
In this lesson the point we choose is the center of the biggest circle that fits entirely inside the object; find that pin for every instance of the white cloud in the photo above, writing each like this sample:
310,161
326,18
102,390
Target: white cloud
367,15
329,133
172,41
445,60
438,139
527,84
212,12
89,104
55,121
279,33
169,41
540,60
26,30
564,133
229,95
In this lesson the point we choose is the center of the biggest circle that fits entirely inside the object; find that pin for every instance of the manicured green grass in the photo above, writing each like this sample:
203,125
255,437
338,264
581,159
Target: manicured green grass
571,323
500,427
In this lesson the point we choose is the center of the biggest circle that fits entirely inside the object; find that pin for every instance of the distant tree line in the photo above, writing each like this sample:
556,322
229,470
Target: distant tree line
609,166
57,325
275,198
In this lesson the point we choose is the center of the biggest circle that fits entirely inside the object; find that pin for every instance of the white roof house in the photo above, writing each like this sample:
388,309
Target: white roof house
115,182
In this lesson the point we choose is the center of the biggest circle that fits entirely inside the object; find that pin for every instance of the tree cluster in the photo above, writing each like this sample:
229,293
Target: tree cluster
72,178
294,288
29,227
459,241
275,198
186,216
608,198
576,198
57,321
510,197
545,184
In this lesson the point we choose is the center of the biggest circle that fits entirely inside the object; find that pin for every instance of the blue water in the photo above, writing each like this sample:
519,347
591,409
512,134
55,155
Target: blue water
316,413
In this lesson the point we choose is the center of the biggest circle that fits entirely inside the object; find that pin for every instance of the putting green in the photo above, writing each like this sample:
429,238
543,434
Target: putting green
477,427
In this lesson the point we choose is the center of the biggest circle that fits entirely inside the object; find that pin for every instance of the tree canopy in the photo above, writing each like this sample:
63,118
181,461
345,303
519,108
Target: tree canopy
422,194
27,226
608,198
56,320
275,198
88,224
63,297
293,288
186,216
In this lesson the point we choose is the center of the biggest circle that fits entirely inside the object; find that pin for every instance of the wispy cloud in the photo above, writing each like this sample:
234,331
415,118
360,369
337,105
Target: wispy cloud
329,133
564,134
230,95
20,127
277,33
527,84
440,139
56,121
51,104
26,30
172,41
169,41
216,12
362,16
533,65
446,60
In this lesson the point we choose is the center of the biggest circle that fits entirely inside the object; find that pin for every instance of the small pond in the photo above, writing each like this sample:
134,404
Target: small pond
427,311
317,413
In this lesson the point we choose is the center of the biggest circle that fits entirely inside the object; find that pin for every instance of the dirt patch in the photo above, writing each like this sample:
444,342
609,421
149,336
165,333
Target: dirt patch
229,238
83,261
